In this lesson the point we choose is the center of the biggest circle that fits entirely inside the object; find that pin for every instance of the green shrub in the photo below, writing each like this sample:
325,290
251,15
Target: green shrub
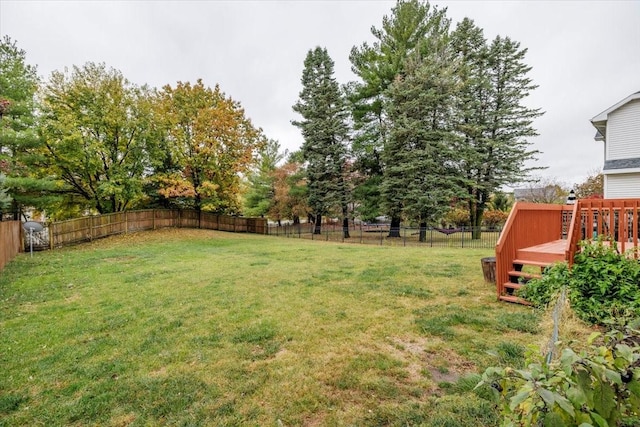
604,285
540,292
598,387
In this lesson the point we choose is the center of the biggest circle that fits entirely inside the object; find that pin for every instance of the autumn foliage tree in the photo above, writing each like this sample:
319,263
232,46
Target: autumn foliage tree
95,131
208,144
592,187
290,191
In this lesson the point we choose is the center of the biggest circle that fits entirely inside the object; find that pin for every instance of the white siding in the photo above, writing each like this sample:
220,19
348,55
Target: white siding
622,186
623,132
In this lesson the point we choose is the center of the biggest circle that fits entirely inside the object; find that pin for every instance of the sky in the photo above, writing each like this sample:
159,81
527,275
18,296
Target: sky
585,55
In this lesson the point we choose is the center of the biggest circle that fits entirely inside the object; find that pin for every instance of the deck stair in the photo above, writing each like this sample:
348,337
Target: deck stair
537,235
530,263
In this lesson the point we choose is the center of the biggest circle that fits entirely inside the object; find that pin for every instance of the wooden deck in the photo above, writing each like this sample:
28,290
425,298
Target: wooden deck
547,253
538,235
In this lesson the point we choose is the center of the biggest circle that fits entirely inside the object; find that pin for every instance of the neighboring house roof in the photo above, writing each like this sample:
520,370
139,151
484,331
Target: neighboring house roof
548,194
600,121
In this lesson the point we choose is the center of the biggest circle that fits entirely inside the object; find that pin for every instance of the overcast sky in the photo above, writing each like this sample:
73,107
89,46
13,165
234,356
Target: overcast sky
585,54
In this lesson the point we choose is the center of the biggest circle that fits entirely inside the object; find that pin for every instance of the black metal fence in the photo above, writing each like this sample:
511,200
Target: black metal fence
379,234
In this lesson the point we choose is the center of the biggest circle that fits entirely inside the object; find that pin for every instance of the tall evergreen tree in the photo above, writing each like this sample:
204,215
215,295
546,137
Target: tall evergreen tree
260,195
325,132
378,65
18,130
491,117
419,177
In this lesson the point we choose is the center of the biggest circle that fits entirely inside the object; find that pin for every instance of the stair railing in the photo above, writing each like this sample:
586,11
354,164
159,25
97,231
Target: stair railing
528,224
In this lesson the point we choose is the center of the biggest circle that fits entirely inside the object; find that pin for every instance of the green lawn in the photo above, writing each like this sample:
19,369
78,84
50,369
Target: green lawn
195,327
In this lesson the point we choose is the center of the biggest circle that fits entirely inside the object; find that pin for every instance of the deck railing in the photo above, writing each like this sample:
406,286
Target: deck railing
528,224
614,219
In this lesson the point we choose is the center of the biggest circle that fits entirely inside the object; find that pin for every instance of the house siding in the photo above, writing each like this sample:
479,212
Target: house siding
623,132
622,186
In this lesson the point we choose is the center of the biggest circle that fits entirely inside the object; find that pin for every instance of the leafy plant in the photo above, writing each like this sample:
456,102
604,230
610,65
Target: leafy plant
494,218
603,284
598,387
540,292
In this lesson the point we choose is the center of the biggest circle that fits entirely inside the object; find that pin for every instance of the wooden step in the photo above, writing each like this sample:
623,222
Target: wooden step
511,285
514,299
526,276
532,262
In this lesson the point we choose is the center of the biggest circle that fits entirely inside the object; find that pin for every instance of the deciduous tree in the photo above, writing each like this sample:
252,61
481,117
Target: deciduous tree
290,191
95,133
592,187
209,143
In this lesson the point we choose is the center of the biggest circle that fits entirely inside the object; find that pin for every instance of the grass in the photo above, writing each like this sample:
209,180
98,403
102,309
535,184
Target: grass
195,327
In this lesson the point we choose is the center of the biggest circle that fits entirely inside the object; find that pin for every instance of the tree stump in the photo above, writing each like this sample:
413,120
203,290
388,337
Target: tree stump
489,269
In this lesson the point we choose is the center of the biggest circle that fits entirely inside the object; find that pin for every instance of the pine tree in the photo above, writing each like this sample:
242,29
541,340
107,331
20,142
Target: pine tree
402,35
491,117
419,177
18,131
260,195
325,132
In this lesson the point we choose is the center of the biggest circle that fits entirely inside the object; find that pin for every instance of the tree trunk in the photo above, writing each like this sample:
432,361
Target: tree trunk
296,219
317,229
394,229
345,228
476,209
423,232
345,223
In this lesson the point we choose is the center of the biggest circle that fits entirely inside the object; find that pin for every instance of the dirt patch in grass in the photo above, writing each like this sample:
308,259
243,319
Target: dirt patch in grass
411,351
447,369
72,298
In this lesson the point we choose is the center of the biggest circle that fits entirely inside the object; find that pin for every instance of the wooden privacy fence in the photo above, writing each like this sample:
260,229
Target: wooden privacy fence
95,227
10,241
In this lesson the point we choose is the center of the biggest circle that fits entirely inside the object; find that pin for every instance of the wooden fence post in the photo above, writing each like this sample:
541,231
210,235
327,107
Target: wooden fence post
153,212
50,236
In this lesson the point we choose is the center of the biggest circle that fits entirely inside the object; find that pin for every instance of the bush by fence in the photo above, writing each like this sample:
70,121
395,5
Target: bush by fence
378,234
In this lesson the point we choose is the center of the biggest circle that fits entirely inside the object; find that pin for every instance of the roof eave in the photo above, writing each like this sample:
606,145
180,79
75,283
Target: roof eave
603,116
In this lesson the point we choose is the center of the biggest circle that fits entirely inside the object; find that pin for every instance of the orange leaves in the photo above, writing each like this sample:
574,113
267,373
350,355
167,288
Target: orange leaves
210,139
